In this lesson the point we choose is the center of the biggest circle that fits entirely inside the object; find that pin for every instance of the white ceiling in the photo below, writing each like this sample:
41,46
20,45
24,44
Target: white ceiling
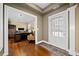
15,15
42,5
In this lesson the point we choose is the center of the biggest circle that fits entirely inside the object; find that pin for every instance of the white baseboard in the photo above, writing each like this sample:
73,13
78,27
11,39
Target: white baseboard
39,42
45,41
42,41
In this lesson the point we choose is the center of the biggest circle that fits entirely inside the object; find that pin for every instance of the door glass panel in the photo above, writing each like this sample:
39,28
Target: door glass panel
58,29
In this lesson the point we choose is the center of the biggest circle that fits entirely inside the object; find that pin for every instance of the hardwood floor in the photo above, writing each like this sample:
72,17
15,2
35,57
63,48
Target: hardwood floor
57,51
24,48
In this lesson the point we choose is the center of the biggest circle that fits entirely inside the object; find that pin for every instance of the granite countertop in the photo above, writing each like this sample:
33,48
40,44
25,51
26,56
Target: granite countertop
17,33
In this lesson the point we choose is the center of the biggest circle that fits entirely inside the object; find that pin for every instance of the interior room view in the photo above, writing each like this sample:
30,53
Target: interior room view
39,29
21,30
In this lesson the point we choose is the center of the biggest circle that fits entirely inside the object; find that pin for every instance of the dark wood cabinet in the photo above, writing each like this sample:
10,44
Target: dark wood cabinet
17,38
11,30
21,36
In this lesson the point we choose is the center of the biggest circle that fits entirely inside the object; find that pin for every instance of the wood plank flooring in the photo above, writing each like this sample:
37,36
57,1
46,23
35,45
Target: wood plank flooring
24,48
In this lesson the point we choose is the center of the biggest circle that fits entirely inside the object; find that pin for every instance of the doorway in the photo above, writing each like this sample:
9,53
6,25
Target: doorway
12,14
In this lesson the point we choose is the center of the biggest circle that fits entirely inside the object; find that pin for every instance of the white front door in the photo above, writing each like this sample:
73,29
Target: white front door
58,30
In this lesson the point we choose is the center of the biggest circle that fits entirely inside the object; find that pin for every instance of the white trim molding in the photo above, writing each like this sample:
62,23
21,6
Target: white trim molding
5,31
42,41
72,30
39,42
1,26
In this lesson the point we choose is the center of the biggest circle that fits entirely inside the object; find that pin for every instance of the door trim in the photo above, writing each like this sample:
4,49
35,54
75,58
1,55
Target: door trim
72,32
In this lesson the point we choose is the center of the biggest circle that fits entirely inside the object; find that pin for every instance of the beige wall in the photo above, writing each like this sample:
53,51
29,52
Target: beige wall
20,25
45,20
39,17
77,29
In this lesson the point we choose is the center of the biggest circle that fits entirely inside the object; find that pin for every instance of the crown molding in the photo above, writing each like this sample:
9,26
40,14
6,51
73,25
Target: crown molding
51,6
24,7
32,7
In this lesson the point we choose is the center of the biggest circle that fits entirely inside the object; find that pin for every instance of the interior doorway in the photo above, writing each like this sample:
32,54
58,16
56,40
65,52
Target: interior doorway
16,28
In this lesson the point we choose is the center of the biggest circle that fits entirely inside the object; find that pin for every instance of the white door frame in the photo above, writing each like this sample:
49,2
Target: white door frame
49,18
6,27
72,32
1,26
